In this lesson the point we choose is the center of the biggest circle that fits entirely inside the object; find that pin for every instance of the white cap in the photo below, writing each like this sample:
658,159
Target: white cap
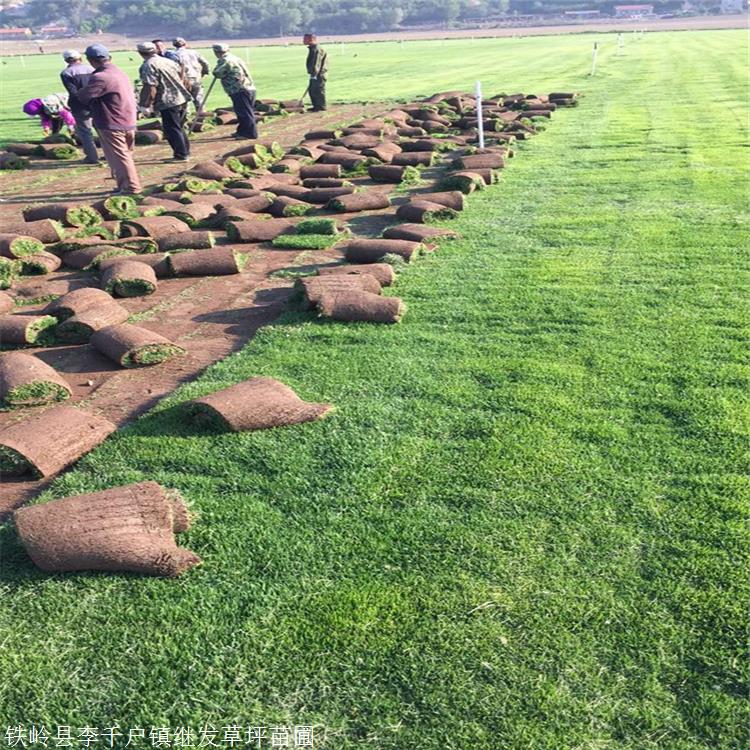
71,54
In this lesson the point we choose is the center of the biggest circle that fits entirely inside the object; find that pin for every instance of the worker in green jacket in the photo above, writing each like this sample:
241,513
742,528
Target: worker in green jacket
317,69
238,83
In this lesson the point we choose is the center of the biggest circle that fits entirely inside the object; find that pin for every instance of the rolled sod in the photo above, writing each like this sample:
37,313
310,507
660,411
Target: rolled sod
9,270
148,137
418,233
77,301
158,261
358,306
414,158
129,278
322,135
210,170
44,230
410,131
47,443
449,198
480,161
290,166
257,230
133,346
365,201
428,144
314,287
198,185
284,206
358,142
218,261
9,160
187,241
325,182
290,191
7,303
392,173
255,404
41,263
346,159
307,150
317,226
19,245
324,195
89,258
26,330
27,381
466,182
305,241
242,193
136,244
156,227
383,152
254,204
424,212
129,528
79,328
118,207
59,151
70,214
371,251
383,272
225,118
193,214
245,164
227,214
22,149
169,199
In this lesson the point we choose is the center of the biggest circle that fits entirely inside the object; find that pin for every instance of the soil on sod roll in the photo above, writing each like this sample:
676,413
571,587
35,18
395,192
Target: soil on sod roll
210,170
136,244
480,161
450,199
79,328
158,261
424,212
26,330
288,191
9,160
193,214
286,206
41,263
129,278
255,404
290,166
27,381
49,442
346,159
323,195
187,241
148,137
133,346
154,226
365,201
257,230
44,230
358,306
383,152
60,151
371,251
242,193
325,182
90,257
466,182
75,302
19,245
218,261
394,174
22,149
418,233
226,215
7,303
255,204
314,287
383,272
129,528
414,158
69,214
410,131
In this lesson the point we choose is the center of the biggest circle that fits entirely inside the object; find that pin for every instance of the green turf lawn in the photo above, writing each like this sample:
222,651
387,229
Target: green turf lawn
524,526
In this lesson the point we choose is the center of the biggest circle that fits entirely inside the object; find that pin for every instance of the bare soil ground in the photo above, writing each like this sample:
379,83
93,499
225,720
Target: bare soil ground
120,42
210,317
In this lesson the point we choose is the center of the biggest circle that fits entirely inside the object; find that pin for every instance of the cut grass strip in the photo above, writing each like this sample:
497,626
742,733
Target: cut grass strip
306,241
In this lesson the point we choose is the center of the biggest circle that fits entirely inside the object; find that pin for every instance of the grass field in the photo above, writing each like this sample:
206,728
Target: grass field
525,525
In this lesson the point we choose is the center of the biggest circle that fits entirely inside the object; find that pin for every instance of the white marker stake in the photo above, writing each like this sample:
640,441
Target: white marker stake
593,58
23,63
480,118
620,43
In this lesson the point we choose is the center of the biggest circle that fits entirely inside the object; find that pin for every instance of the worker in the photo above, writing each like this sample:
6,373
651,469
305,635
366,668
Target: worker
317,69
195,66
52,111
164,91
74,77
163,51
237,82
109,96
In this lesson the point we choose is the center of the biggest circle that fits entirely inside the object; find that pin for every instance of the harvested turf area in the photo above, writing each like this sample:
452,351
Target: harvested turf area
524,526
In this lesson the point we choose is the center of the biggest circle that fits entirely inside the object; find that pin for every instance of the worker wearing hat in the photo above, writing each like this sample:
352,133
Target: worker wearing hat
195,66
74,77
238,83
317,69
109,96
164,90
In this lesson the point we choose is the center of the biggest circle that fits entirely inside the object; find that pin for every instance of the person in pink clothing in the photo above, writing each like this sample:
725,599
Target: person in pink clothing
53,112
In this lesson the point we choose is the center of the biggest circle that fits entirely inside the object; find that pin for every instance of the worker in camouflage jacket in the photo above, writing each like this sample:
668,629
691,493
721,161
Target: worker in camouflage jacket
317,69
238,84
195,67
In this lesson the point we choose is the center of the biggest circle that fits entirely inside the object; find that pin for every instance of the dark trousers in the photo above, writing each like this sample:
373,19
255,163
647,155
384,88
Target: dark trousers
173,122
318,93
244,101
